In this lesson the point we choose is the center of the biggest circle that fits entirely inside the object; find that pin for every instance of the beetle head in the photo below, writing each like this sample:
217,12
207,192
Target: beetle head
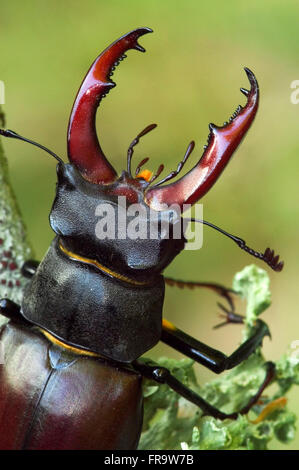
97,180
89,182
112,224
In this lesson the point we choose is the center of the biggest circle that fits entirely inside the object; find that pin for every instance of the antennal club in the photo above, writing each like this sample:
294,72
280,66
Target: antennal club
268,256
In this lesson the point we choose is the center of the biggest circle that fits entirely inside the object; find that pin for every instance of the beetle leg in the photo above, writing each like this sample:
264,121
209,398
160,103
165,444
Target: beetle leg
29,268
2,118
230,316
209,357
164,376
11,310
218,288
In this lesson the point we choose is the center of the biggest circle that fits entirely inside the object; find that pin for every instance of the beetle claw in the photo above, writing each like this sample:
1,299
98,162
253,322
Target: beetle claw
83,147
222,142
139,48
244,91
230,316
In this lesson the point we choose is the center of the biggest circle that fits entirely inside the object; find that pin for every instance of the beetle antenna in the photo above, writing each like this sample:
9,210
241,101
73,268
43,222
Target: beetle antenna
135,142
14,135
268,256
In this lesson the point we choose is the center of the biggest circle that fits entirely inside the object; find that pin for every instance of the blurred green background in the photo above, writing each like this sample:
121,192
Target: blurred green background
189,76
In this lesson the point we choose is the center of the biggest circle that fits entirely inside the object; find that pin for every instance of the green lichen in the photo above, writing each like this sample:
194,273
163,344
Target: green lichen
14,246
171,422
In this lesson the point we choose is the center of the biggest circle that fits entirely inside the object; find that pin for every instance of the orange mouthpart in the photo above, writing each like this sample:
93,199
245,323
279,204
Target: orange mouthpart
145,174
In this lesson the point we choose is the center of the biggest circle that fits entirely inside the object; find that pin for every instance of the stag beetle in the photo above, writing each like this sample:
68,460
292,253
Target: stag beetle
72,375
